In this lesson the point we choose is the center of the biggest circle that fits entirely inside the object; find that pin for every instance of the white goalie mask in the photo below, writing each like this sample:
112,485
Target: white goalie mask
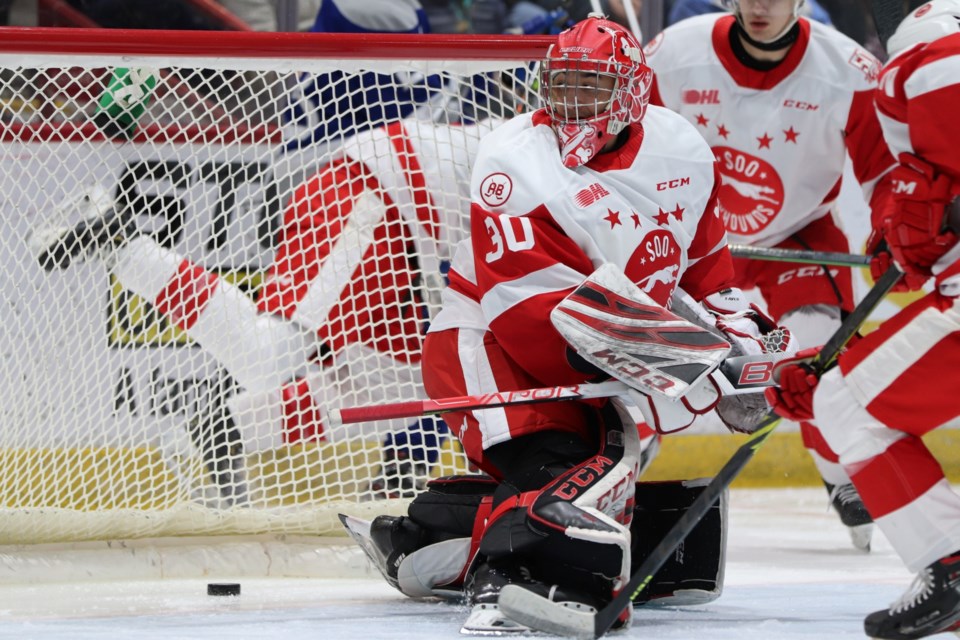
926,23
774,9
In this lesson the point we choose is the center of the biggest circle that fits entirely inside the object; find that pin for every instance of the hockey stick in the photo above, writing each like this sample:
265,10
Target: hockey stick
528,608
741,374
829,258
887,15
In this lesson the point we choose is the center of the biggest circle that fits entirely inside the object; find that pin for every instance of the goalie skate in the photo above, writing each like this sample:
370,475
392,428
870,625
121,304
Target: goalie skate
100,226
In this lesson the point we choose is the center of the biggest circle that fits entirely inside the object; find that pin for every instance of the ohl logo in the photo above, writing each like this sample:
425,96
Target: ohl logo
705,96
655,265
751,192
588,195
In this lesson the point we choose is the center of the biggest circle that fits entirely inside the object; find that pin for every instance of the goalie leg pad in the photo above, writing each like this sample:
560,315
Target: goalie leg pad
429,552
694,572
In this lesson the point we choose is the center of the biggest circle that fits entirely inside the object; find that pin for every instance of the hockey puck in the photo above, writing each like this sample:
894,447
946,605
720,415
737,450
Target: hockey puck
223,589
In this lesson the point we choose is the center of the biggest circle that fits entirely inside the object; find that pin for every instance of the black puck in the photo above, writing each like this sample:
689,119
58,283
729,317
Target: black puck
223,589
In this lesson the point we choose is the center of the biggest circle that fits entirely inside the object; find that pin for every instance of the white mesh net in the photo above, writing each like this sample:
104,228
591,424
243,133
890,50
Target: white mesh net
200,260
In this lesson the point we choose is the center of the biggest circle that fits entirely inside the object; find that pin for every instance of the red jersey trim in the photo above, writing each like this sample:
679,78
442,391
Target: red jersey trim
620,158
752,78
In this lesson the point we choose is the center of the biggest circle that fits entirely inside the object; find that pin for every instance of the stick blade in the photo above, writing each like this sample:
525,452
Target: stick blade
526,607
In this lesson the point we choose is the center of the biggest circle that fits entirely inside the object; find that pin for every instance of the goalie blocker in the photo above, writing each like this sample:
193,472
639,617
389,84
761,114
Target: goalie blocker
433,550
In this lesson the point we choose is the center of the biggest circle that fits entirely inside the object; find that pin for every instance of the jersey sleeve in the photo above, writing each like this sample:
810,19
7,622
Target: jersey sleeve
525,265
869,154
710,266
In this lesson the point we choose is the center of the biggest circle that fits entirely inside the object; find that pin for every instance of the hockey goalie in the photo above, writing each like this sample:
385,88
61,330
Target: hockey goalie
573,259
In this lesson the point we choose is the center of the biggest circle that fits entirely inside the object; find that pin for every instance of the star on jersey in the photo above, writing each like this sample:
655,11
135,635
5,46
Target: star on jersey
722,131
636,220
791,135
678,213
662,218
613,217
702,120
764,141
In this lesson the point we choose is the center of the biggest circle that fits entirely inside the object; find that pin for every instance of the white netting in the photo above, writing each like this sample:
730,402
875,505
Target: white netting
188,290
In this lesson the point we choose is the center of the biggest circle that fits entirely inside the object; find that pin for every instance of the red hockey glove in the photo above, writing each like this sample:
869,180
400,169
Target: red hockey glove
793,400
881,260
915,228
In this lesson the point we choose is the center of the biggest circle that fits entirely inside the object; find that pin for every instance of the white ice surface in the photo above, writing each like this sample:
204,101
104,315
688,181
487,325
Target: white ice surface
791,573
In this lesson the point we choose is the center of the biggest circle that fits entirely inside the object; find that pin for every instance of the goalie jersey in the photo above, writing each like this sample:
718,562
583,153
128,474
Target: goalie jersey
780,136
538,229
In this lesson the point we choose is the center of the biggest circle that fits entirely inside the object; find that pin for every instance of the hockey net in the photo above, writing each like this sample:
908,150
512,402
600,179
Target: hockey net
126,415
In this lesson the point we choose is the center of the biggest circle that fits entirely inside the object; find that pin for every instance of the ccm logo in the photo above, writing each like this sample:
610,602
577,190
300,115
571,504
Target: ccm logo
673,184
800,104
756,373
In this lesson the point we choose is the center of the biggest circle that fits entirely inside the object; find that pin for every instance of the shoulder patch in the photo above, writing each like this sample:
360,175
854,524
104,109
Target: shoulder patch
866,63
495,189
652,46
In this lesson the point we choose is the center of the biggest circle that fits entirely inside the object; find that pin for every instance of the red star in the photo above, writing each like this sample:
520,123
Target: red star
791,135
613,217
678,212
765,141
723,132
662,218
636,219
702,120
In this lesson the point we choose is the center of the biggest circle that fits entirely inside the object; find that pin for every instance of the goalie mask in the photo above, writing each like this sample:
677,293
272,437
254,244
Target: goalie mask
593,82
765,23
926,23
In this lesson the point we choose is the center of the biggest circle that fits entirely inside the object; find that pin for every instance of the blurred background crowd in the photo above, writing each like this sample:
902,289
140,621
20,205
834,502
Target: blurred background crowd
852,17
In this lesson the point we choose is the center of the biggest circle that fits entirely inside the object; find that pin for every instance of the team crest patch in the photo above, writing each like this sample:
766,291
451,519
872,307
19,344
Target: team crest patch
495,189
751,191
655,265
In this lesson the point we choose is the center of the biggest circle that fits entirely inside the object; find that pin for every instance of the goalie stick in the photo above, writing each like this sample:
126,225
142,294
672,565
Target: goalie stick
528,608
742,374
800,256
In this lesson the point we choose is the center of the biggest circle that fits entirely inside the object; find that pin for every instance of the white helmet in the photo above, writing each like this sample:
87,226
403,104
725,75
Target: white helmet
734,6
926,23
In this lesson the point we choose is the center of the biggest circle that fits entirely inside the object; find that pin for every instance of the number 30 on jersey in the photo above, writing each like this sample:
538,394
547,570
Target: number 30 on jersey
507,233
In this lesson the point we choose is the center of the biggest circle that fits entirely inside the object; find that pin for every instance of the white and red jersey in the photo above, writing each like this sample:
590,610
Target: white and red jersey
358,234
917,88
538,229
780,136
912,355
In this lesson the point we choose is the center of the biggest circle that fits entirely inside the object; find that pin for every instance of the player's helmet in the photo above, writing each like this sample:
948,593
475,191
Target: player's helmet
926,23
794,7
593,82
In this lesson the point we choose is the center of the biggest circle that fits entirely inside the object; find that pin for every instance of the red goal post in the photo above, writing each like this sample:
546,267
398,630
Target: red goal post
123,416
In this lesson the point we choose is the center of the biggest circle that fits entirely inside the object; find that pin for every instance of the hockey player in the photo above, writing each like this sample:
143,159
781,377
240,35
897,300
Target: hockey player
341,313
866,407
568,220
782,100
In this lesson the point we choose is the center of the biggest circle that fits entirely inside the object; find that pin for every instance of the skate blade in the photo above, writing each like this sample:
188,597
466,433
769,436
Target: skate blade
359,530
563,619
487,621
861,535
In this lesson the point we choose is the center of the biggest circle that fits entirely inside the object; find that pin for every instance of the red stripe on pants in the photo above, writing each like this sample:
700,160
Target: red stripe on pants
896,477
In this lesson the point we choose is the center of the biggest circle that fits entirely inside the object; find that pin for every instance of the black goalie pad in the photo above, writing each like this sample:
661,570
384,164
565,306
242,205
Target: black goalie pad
448,508
694,572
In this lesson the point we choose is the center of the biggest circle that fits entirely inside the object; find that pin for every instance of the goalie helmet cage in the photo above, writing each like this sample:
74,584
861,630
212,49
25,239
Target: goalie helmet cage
99,386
